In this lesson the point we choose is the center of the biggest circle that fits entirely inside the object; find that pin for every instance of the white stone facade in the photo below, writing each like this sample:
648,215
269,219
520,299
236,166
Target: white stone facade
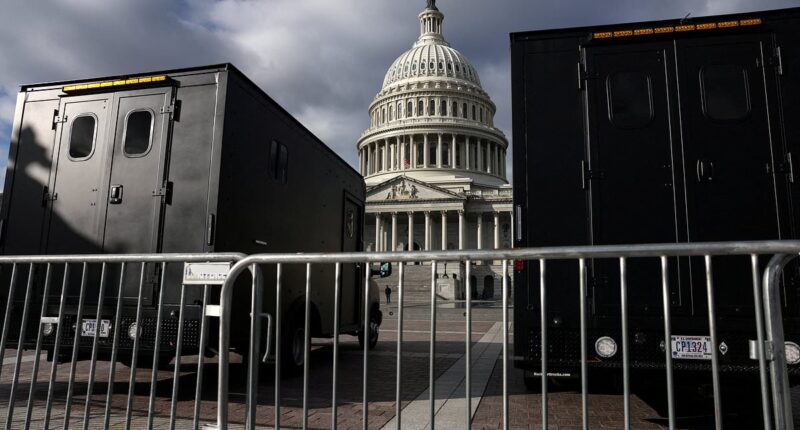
433,162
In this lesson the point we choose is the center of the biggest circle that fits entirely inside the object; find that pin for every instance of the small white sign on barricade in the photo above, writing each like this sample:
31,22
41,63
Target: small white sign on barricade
205,273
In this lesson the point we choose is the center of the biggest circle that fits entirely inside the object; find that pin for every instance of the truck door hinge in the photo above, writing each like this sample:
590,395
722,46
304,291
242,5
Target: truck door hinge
774,61
589,175
173,108
164,192
58,119
787,167
47,196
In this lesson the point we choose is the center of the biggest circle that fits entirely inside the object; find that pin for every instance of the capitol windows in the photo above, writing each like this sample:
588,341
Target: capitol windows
464,111
445,154
413,67
443,108
399,110
422,66
455,109
432,107
458,69
481,114
421,108
432,65
474,117
391,113
449,67
410,109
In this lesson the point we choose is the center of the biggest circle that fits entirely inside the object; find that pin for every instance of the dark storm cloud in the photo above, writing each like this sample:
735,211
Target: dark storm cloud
323,60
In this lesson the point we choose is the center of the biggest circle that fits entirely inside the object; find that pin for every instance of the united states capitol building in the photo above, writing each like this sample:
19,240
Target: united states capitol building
433,161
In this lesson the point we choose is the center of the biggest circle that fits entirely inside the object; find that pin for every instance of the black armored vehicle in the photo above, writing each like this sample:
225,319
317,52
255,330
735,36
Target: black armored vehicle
677,131
195,160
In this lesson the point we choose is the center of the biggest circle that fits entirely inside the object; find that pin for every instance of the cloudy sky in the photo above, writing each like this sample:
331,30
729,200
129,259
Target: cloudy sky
323,60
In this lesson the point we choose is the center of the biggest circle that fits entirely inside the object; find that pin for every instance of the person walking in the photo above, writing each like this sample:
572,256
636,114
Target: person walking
388,292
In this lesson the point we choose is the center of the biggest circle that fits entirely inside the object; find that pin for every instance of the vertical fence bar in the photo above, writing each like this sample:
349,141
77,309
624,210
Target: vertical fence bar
135,352
584,352
198,389
56,346
543,323
626,359
178,350
75,346
7,318
773,318
20,347
114,347
398,405
712,327
278,320
762,360
337,297
255,348
668,342
432,350
156,349
38,352
93,364
468,352
307,345
365,397
505,344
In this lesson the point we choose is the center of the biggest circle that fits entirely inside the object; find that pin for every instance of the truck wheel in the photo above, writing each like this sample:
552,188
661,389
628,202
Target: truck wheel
532,382
293,344
374,327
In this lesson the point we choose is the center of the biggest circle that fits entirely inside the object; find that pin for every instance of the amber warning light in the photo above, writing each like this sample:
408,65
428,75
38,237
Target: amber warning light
676,29
114,84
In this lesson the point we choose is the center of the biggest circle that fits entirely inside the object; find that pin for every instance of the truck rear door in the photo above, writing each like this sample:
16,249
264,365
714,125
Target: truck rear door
730,155
629,172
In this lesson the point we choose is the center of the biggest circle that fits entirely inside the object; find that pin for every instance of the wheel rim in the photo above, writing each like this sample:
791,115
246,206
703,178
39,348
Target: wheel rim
373,331
298,346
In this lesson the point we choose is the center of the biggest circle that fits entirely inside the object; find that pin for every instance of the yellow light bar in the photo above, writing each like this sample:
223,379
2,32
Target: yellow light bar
117,83
752,21
677,28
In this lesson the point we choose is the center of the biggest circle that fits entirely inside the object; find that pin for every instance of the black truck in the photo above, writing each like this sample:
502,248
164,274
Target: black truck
196,160
674,131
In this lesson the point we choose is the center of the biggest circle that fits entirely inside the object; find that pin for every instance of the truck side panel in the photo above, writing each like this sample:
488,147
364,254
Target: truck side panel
285,197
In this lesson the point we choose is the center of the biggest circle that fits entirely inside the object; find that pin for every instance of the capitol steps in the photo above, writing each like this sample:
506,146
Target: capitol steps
417,283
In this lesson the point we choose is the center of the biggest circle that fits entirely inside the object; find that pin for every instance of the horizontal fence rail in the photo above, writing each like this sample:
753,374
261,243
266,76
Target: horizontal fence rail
774,388
100,309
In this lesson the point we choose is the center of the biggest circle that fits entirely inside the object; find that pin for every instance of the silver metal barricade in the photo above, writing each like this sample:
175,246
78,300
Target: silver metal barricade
768,322
104,310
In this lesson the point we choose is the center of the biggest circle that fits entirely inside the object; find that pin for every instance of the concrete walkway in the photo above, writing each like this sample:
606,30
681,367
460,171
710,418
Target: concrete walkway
449,401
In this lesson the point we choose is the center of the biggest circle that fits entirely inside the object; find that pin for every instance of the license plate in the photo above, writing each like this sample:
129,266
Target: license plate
691,347
89,328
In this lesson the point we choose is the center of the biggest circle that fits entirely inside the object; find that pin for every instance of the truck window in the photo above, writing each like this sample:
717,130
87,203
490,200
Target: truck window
726,94
138,133
81,139
630,99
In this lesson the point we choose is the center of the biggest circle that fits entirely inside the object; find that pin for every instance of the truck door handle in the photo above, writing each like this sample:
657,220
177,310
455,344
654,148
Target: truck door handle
115,197
705,171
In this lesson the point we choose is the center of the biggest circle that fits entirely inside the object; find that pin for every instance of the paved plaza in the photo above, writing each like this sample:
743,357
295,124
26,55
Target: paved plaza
606,408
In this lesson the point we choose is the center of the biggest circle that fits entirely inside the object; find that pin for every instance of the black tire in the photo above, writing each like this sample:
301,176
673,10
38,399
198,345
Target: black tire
374,331
293,343
533,383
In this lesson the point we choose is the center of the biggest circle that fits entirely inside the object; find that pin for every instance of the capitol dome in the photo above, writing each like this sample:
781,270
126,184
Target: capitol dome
432,120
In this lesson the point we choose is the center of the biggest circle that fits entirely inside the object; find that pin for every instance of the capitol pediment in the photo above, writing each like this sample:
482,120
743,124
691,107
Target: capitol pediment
403,188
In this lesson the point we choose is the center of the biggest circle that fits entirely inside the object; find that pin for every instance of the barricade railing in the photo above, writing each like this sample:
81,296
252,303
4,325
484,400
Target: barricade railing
99,306
773,373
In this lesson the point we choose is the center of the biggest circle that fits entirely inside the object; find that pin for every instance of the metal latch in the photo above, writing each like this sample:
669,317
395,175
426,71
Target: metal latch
589,175
167,109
